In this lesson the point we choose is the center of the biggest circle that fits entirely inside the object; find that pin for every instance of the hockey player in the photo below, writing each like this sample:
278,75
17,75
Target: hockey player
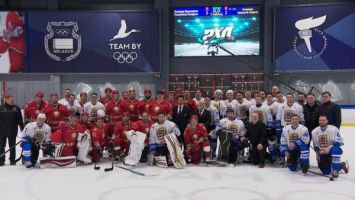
72,107
84,121
214,113
66,136
36,135
114,110
130,105
93,106
107,98
82,101
98,139
229,132
55,112
196,141
294,145
248,97
33,108
189,101
161,105
157,143
242,107
144,126
273,141
230,102
327,144
285,113
64,101
198,97
264,111
145,104
13,41
119,138
219,103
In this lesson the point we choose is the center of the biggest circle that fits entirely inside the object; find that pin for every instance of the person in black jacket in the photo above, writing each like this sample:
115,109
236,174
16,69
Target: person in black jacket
181,115
10,119
204,115
256,134
311,112
331,110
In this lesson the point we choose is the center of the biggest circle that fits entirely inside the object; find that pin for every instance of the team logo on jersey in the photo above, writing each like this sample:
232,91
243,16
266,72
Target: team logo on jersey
293,137
124,51
233,128
116,108
307,31
161,132
323,141
73,136
156,109
56,114
62,42
131,107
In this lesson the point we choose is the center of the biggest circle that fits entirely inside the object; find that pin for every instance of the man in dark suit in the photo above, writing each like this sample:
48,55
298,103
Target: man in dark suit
204,115
10,120
181,115
331,110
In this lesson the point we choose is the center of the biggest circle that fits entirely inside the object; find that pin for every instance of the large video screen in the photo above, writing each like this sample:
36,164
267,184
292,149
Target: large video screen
12,42
315,38
216,31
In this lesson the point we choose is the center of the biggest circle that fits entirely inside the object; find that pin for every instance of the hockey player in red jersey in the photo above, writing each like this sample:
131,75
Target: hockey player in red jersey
13,41
114,110
130,105
84,121
67,134
97,139
120,141
144,126
34,107
196,141
55,112
145,104
161,105
189,101
107,98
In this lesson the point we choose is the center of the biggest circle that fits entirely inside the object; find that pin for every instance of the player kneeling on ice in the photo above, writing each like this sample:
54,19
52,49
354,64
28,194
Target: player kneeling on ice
36,136
256,134
229,132
163,141
294,145
326,143
196,141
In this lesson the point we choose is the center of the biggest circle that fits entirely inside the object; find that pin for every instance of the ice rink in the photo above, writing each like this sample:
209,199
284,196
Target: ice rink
193,183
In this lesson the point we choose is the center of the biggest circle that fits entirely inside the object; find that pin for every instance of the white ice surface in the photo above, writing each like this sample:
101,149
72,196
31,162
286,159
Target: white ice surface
193,183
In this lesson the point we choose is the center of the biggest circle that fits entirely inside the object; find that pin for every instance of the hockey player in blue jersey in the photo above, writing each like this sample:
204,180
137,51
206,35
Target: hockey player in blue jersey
327,142
294,145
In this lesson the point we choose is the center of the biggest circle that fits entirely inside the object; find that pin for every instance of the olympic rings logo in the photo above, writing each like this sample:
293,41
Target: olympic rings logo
125,57
62,32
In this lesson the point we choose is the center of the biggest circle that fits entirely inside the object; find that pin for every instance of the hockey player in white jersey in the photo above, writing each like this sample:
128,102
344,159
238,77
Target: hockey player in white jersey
229,132
294,145
230,102
219,103
285,113
36,136
242,107
93,106
327,144
157,144
265,114
273,141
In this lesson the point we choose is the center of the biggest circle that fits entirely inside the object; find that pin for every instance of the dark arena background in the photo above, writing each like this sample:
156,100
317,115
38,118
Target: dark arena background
173,49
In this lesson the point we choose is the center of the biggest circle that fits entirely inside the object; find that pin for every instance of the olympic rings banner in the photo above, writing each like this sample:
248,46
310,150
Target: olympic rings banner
93,42
315,38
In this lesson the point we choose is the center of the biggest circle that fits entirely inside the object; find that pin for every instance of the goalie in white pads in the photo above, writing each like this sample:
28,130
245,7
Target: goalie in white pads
157,144
327,142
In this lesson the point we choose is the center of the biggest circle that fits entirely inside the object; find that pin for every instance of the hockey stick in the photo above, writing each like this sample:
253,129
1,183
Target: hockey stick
320,174
10,148
112,159
137,173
